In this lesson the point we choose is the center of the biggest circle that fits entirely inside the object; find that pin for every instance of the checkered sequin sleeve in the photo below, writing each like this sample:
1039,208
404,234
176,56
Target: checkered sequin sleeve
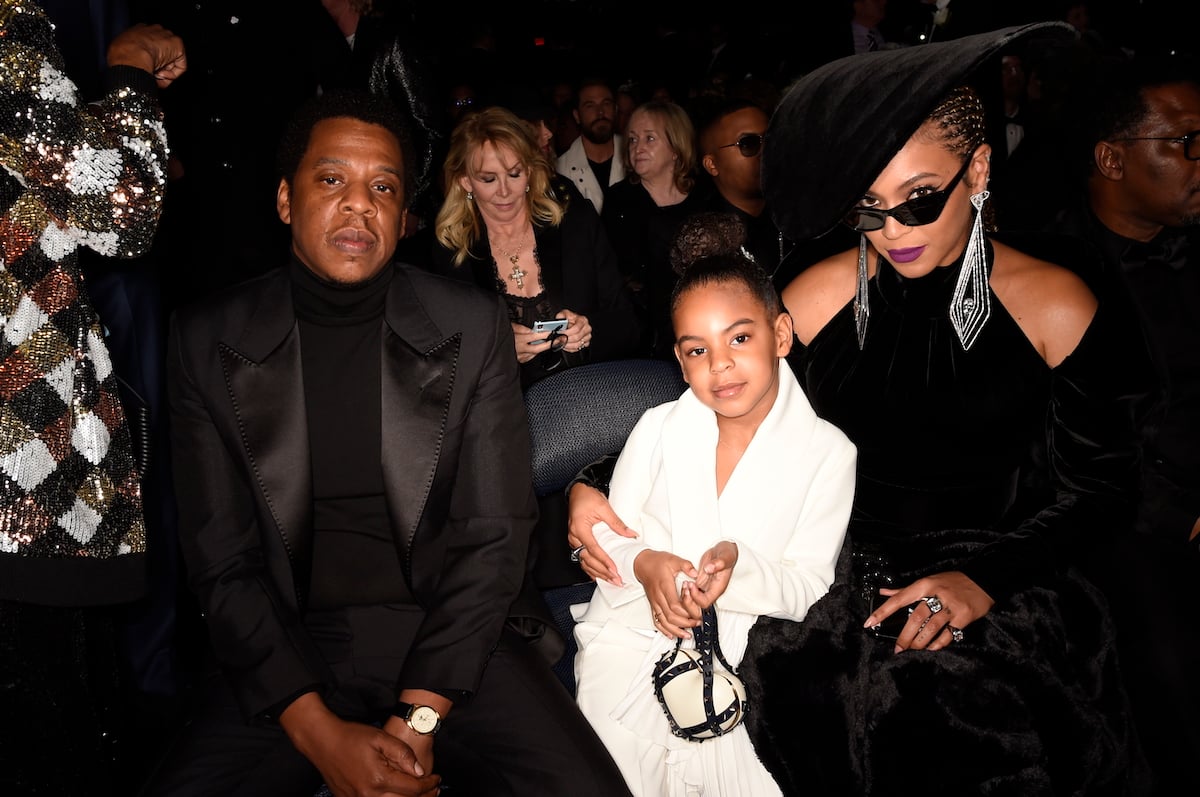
72,176
88,175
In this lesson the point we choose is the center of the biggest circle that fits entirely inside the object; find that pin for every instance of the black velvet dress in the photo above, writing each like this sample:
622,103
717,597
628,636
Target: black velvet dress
985,461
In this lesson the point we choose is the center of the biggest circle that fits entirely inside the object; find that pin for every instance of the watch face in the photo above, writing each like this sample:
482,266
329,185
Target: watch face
424,719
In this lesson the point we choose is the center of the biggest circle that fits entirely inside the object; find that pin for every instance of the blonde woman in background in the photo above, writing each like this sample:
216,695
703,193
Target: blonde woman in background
513,226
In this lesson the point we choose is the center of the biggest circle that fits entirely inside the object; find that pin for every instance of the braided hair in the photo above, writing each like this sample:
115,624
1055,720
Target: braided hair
959,120
959,124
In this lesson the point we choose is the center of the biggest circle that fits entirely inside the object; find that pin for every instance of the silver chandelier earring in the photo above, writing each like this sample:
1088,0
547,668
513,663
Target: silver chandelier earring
862,311
971,304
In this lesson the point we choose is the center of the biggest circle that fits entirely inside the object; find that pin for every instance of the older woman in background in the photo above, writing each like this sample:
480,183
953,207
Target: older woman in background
643,212
515,227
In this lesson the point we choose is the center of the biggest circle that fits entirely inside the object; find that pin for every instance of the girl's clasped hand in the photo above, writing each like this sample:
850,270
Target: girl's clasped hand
678,591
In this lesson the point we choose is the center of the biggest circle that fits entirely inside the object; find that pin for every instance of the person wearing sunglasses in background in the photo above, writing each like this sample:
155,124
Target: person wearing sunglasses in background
960,649
731,144
1138,126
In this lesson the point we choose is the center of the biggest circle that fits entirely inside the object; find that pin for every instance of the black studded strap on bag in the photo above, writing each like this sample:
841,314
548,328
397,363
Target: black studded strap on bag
701,700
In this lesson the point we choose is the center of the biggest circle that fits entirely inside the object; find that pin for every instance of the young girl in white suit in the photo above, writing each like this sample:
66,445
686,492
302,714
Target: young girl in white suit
740,496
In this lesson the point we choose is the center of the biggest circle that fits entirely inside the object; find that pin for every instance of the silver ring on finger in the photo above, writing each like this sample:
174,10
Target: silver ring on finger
934,603
576,552
956,634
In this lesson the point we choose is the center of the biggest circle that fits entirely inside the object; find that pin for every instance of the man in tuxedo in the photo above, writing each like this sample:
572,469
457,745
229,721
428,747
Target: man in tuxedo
356,504
1140,224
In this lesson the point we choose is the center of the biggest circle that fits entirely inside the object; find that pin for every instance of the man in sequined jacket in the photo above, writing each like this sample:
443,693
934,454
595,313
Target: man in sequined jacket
72,536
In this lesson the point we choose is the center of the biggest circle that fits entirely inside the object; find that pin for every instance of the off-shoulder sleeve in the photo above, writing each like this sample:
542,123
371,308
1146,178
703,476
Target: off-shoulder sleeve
1096,393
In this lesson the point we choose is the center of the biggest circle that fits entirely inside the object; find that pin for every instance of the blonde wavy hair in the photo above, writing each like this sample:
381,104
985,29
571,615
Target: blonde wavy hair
459,224
680,134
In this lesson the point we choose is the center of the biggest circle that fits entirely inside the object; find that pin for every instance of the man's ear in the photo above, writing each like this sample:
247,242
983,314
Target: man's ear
1109,160
283,201
710,164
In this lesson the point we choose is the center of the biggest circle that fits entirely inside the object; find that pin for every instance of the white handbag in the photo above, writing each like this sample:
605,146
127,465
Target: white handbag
700,693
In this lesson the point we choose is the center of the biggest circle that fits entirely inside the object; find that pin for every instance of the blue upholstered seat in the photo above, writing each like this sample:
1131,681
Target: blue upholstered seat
575,417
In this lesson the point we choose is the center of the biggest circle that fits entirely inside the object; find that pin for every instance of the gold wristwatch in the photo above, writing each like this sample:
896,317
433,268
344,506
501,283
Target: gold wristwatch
424,720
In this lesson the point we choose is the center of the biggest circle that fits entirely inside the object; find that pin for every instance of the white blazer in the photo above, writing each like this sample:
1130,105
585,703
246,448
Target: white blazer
573,164
786,505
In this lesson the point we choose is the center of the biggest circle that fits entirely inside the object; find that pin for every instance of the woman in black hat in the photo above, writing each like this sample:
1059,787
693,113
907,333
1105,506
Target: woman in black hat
959,651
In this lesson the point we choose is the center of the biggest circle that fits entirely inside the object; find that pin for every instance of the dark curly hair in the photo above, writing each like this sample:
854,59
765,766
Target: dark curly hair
344,104
709,249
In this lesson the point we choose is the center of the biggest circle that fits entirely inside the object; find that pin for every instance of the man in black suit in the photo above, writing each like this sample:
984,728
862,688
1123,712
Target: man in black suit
1139,227
356,503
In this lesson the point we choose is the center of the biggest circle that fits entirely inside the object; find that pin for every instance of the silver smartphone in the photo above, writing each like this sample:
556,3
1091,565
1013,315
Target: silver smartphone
552,327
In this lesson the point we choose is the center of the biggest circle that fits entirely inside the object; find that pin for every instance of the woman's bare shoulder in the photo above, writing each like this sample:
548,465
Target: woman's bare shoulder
819,292
1051,303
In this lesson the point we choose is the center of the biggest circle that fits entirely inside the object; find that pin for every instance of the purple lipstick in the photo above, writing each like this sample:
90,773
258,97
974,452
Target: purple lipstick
905,255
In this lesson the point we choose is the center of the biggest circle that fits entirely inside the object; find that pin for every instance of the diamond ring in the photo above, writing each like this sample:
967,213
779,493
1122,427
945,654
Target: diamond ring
934,603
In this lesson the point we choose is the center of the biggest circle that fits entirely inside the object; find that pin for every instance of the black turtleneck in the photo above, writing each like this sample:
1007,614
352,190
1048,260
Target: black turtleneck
355,561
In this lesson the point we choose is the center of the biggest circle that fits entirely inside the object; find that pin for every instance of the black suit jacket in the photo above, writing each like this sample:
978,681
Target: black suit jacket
456,463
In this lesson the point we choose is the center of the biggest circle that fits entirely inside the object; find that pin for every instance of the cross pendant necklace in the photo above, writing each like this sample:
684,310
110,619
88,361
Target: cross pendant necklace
516,275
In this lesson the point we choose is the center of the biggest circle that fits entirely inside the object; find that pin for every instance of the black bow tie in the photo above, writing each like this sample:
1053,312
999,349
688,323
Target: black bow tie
1168,249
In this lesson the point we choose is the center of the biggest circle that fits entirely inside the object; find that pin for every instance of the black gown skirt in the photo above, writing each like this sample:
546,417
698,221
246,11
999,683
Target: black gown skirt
985,461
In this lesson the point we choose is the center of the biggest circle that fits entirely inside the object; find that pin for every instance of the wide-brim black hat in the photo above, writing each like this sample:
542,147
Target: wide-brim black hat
836,128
